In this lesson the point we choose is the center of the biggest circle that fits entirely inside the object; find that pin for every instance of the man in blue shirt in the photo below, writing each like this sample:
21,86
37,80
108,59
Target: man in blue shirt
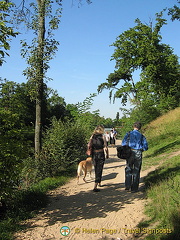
138,144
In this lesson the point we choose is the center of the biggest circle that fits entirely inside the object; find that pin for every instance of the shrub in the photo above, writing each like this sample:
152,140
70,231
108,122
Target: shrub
64,144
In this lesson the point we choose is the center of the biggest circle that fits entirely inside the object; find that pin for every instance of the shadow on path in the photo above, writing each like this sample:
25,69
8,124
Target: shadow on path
88,205
72,204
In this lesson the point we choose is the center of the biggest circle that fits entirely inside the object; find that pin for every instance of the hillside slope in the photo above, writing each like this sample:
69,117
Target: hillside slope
163,184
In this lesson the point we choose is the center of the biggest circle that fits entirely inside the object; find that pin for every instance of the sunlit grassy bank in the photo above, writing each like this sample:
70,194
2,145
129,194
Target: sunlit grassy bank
163,185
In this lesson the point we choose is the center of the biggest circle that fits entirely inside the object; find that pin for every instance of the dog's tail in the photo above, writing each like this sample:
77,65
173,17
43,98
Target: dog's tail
79,171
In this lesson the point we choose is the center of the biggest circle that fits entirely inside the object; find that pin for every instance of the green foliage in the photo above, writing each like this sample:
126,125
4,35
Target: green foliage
64,144
16,135
81,108
35,196
127,125
23,203
145,113
55,106
14,147
109,123
5,30
174,12
15,98
42,20
141,48
50,183
17,119
81,114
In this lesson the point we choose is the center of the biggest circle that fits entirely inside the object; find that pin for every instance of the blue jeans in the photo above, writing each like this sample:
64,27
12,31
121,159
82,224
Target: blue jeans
132,170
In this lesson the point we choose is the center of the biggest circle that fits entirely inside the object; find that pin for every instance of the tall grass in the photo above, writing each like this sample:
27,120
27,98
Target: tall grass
163,135
166,128
163,184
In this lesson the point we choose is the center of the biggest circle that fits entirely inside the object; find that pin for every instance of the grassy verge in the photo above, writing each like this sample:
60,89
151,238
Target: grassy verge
163,190
163,184
25,203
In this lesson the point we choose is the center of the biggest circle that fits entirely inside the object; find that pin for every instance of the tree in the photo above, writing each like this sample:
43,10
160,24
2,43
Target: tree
56,107
16,132
14,148
141,48
174,12
14,97
117,119
5,31
81,114
44,20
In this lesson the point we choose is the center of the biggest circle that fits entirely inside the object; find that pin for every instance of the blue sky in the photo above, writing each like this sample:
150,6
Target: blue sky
85,35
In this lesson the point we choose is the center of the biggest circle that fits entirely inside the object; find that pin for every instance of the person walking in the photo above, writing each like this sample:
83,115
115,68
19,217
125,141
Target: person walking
97,144
107,136
138,143
114,134
112,139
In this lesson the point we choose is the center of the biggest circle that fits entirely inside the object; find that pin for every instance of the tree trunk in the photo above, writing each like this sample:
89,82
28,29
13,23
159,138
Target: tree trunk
40,76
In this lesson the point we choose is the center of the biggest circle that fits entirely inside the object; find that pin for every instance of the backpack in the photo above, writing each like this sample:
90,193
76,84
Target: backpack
124,152
97,141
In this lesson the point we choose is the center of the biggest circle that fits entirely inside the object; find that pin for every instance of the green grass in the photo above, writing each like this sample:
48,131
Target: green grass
163,184
163,191
25,203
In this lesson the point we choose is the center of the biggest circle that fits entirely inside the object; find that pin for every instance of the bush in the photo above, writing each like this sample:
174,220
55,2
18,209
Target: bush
64,145
15,146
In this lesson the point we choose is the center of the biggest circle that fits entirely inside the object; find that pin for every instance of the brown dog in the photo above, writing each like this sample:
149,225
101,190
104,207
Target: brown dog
85,166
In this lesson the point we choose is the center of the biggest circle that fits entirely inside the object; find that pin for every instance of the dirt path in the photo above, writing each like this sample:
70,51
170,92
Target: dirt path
111,213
